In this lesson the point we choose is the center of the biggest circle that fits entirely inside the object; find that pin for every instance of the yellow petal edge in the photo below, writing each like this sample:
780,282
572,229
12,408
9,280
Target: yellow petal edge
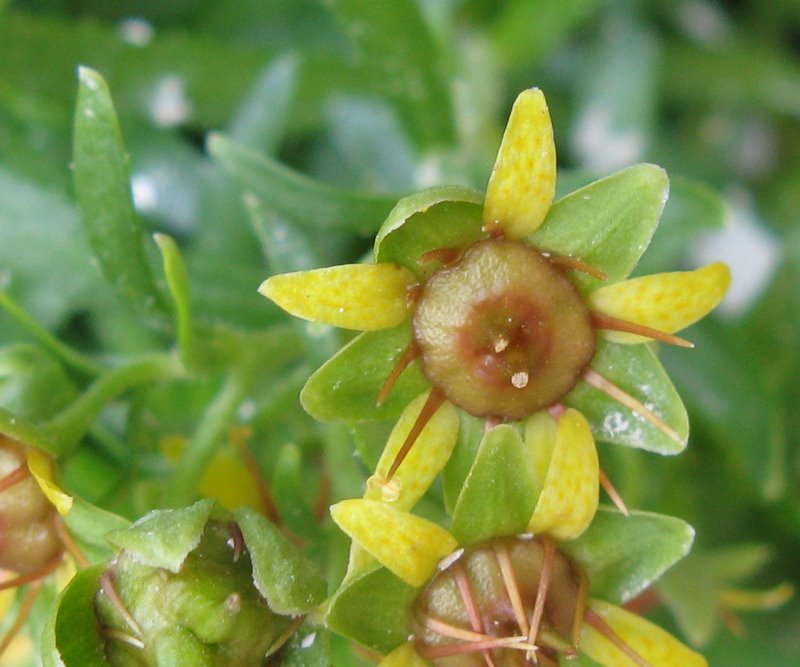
523,180
652,643
668,302
364,297
407,545
41,468
403,656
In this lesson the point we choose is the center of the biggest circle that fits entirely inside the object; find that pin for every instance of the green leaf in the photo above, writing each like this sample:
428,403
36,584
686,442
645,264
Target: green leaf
608,223
289,582
164,538
500,492
470,435
289,483
624,555
374,610
102,186
309,646
347,386
71,637
298,197
440,217
33,384
91,525
637,371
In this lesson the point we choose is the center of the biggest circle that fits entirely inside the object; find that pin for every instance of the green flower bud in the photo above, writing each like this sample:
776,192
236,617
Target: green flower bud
201,586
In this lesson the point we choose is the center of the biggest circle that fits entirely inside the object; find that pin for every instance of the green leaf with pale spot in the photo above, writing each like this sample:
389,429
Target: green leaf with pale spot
608,223
286,579
500,492
71,636
440,217
375,610
623,555
346,387
164,538
636,370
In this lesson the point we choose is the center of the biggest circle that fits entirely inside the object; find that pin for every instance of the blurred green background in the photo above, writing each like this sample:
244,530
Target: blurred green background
353,103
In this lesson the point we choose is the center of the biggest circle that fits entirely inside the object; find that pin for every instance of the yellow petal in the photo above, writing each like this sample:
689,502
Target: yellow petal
569,497
41,467
409,546
426,459
652,643
523,180
403,656
7,596
365,297
540,439
668,302
756,600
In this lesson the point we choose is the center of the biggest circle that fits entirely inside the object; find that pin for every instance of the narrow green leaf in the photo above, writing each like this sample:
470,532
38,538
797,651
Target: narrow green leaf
289,486
102,186
374,610
440,217
623,555
298,197
608,223
178,283
347,386
33,385
637,371
164,538
500,492
286,579
470,435
71,636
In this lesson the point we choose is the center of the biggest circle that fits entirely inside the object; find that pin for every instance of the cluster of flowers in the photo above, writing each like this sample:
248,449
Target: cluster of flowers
501,336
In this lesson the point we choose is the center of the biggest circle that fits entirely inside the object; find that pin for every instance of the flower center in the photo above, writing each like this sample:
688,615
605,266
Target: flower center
486,601
502,332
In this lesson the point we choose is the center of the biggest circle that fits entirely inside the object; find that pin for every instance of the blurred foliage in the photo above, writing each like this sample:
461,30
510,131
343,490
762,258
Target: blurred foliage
322,113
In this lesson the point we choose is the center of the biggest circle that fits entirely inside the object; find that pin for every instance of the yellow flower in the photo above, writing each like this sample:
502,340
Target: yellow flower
505,323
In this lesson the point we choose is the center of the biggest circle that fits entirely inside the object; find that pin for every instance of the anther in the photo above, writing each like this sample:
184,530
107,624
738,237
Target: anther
520,379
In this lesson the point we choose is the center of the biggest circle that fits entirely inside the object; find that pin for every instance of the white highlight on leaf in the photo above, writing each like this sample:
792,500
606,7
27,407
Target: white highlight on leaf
170,105
135,31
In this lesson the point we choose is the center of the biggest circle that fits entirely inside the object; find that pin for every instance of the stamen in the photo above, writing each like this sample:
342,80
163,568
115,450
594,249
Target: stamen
32,576
580,610
435,652
111,633
470,605
520,379
409,354
69,544
493,229
107,586
15,477
603,321
593,378
575,264
544,583
22,615
390,488
443,255
731,621
510,581
612,492
262,488
453,631
236,541
597,622
434,402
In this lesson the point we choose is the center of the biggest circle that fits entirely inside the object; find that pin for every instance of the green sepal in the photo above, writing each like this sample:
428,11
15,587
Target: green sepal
623,555
101,175
608,223
636,370
500,492
440,217
374,610
470,434
90,525
692,589
346,387
164,538
71,636
33,384
297,197
289,582
309,646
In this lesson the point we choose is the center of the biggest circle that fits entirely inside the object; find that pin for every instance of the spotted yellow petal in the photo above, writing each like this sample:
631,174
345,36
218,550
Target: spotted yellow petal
426,459
365,297
569,497
41,467
523,180
403,656
408,545
668,302
656,646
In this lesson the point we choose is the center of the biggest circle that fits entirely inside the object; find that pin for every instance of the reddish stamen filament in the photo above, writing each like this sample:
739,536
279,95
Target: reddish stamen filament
14,477
597,622
612,492
107,586
541,594
443,255
31,576
409,354
510,582
237,539
264,493
603,321
470,606
434,402
69,543
574,264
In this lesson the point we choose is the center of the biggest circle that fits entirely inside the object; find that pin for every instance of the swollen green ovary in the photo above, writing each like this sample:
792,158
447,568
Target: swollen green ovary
502,332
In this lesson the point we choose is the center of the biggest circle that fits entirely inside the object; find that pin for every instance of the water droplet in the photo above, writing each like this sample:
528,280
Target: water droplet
170,106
